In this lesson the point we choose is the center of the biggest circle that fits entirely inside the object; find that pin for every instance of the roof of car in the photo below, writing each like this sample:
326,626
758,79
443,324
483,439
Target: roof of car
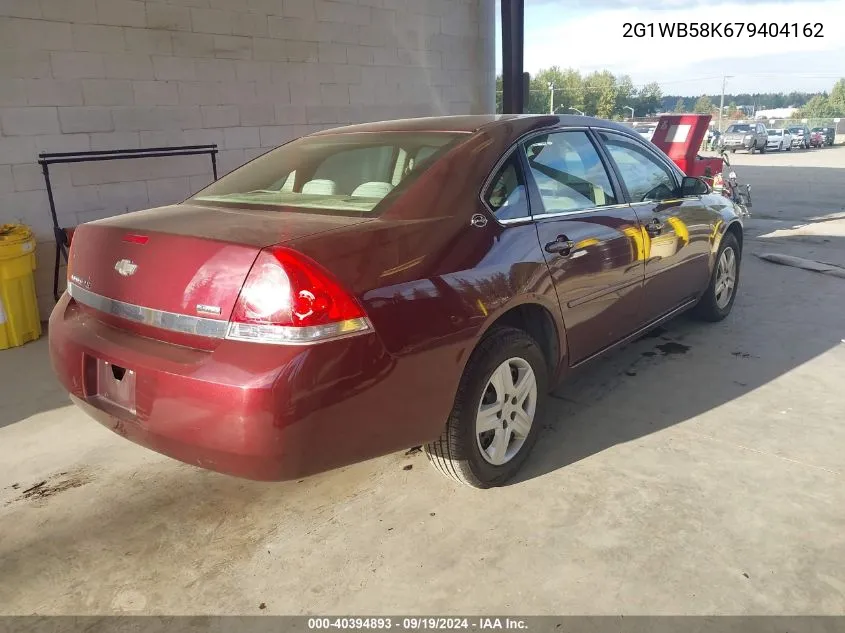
473,123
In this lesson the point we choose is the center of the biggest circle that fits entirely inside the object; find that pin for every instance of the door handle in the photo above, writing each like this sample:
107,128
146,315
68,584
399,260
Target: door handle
655,227
561,245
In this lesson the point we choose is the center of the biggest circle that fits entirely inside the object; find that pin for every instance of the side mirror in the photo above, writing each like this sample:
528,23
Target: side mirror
691,186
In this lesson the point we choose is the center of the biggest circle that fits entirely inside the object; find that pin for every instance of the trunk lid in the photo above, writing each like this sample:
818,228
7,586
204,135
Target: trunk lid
182,260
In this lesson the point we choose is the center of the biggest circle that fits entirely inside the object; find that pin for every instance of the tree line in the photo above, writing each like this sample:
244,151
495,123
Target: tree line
609,96
810,106
601,94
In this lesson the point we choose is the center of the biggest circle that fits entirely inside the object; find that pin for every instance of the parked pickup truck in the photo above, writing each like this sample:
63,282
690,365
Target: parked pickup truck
747,136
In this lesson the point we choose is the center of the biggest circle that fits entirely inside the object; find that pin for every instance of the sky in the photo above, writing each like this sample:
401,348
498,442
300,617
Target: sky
588,35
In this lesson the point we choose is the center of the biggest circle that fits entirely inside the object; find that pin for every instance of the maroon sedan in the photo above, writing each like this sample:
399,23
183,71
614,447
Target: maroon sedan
375,287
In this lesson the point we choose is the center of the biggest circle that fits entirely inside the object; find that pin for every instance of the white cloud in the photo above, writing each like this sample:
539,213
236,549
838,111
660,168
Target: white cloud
595,41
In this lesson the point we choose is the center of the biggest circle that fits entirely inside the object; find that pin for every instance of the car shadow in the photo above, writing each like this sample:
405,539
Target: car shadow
783,317
28,385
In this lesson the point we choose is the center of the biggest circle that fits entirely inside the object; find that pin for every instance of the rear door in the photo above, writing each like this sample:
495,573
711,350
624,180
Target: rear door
676,230
590,239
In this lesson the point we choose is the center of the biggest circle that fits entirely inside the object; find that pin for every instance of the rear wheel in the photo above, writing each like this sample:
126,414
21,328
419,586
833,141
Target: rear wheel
718,299
498,407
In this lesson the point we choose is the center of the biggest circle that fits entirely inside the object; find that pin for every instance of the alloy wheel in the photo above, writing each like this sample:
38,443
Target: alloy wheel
506,411
725,278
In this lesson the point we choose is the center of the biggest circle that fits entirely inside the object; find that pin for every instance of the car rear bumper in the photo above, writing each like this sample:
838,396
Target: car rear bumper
265,412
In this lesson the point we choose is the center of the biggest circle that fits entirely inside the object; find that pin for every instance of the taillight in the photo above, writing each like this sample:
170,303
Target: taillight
288,298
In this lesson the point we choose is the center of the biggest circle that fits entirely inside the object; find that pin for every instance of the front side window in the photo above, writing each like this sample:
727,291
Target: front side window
340,174
645,176
568,172
507,195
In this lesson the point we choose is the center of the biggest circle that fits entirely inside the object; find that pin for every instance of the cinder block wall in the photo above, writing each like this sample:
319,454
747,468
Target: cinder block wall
247,75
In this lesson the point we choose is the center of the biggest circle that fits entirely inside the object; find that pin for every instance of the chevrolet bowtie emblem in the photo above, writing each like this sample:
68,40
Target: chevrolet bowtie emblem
126,267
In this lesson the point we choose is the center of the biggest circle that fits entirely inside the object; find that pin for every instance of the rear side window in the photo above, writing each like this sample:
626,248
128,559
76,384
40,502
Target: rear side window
568,172
644,174
507,195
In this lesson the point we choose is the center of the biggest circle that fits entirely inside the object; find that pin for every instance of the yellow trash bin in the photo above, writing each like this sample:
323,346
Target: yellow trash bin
19,318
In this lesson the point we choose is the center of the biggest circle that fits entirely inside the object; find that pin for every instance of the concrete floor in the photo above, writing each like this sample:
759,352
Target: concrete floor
698,471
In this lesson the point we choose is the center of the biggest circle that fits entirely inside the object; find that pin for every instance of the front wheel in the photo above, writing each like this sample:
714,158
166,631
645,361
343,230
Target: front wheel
718,299
498,408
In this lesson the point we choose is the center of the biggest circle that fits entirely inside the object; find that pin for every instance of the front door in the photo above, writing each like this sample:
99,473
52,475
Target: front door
591,241
676,229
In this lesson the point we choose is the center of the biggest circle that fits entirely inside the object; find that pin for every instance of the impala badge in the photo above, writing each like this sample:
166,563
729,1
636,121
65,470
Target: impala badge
126,267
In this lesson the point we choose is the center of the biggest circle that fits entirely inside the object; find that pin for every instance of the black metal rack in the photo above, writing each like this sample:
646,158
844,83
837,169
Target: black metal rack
63,235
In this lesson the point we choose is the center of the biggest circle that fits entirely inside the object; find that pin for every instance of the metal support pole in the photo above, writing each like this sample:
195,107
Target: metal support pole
513,44
722,102
58,234
552,99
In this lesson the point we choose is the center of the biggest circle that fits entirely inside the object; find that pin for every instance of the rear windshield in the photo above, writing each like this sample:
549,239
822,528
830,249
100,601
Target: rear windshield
796,130
738,128
775,132
338,174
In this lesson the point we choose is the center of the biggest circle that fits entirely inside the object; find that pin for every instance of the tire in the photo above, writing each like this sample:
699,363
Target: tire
733,151
780,147
710,307
789,147
458,453
763,149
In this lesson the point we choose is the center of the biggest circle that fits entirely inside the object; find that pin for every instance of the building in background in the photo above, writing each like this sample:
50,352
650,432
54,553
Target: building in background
776,113
247,75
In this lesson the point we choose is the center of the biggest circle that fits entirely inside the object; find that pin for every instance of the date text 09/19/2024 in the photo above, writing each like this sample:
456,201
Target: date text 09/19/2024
417,624
722,29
